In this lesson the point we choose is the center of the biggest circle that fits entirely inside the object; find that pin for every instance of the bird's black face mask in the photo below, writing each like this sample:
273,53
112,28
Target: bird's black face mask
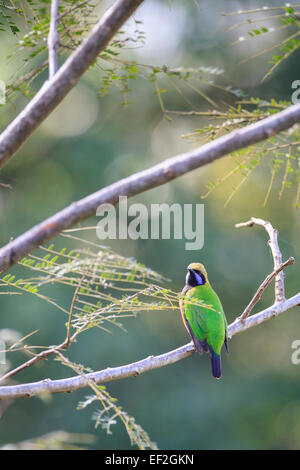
195,278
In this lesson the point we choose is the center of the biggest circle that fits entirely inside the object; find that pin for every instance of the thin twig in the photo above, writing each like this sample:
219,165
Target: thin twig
69,324
286,173
75,7
52,350
28,76
262,287
53,39
34,360
277,257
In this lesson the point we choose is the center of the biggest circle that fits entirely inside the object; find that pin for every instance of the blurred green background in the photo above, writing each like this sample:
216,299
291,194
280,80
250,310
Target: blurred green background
90,142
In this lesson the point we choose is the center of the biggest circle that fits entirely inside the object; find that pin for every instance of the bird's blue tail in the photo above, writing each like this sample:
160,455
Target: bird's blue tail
216,368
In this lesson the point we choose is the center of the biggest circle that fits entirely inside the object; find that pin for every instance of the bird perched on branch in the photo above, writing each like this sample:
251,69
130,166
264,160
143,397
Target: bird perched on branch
203,316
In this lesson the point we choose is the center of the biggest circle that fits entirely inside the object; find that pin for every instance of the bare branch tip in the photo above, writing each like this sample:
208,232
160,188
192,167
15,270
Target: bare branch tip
249,223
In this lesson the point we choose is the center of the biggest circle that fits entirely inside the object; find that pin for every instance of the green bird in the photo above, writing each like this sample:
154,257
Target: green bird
203,316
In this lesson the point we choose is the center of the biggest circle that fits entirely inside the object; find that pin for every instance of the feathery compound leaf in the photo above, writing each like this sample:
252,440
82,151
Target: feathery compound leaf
284,18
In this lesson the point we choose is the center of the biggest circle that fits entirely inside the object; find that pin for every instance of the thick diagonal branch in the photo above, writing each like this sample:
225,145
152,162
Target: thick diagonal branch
53,91
144,180
137,368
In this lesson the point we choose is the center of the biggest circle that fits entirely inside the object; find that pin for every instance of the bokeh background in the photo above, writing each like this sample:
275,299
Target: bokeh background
89,142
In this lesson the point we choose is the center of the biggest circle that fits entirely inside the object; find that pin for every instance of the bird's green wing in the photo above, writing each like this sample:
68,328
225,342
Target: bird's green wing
207,322
196,318
226,335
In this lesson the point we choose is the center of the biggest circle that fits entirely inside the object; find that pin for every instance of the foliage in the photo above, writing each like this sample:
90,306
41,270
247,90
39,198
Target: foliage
106,289
284,18
100,279
118,70
283,156
58,440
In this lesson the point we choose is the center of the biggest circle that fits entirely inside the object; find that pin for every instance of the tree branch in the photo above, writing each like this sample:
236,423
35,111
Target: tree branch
242,323
276,253
263,286
144,180
53,349
53,39
138,368
54,90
